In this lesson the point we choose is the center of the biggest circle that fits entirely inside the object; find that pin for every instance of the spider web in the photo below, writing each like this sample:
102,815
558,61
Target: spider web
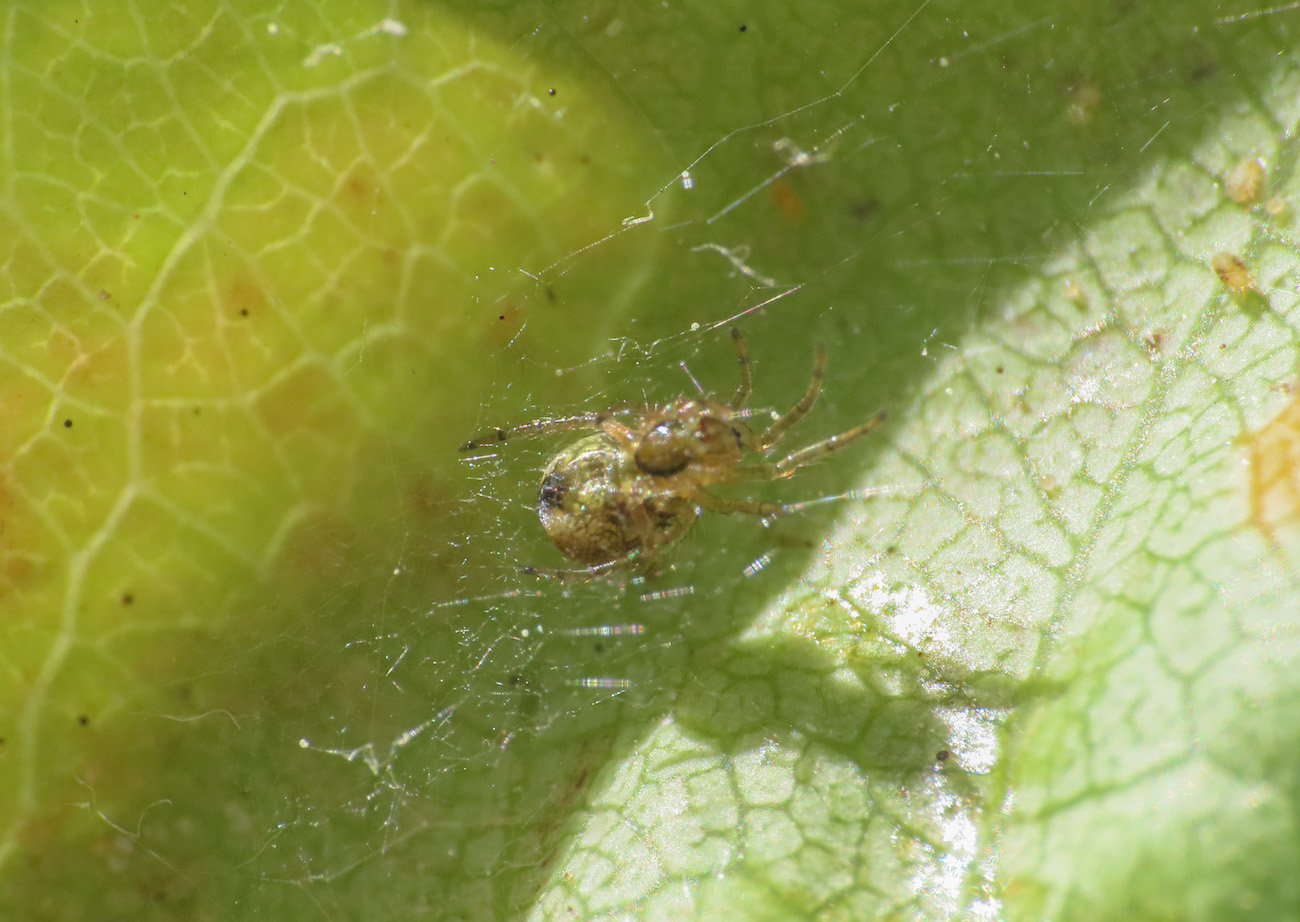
992,214
521,691
584,674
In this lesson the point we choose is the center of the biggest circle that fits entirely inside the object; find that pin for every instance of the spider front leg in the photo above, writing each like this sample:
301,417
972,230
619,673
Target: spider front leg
640,561
596,420
800,409
806,455
746,384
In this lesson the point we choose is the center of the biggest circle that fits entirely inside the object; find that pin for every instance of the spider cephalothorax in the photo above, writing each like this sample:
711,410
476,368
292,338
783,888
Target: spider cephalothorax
690,433
617,497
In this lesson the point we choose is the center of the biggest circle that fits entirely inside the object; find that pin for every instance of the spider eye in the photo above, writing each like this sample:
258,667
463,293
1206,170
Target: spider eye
664,450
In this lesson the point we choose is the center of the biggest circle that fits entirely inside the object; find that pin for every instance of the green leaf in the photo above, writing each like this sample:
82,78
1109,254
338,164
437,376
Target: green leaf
268,651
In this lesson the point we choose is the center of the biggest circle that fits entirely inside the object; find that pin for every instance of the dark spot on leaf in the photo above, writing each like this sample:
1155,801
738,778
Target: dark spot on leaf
862,209
1203,69
787,200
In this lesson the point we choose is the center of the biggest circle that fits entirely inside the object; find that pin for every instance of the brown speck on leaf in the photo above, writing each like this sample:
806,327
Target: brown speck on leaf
67,424
787,200
1202,69
127,598
361,186
864,208
1273,455
1245,181
318,543
1082,105
1232,272
83,720
243,295
428,498
511,315
103,294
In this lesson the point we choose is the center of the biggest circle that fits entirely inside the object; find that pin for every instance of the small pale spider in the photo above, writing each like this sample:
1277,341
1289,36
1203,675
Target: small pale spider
615,499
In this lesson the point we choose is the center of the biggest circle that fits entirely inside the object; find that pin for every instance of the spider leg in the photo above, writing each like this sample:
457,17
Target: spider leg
626,438
596,420
797,412
746,385
638,560
806,455
729,505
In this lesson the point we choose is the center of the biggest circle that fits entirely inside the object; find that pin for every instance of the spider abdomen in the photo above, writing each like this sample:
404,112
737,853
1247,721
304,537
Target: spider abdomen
597,506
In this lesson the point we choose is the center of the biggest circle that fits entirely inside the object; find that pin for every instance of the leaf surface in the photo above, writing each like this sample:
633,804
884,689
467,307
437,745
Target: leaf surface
268,651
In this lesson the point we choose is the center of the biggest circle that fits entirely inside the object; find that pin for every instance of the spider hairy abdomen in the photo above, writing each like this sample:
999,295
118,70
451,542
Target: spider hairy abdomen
597,507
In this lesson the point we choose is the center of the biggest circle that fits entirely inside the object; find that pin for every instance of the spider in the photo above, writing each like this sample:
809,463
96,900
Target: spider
614,499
